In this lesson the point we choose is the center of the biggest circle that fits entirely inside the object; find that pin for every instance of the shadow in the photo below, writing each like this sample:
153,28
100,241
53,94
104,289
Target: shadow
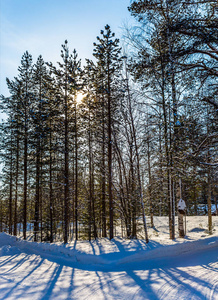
211,268
101,285
181,277
51,283
9,259
19,264
24,278
99,244
71,287
197,229
145,279
144,286
93,248
155,229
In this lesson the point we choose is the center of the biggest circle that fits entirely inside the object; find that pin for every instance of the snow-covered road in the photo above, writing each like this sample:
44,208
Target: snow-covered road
118,269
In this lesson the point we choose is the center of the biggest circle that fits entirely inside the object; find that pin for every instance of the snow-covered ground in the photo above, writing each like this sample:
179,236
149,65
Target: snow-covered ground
118,269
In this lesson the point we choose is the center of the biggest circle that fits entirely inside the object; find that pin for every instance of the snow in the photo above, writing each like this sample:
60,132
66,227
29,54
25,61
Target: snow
118,269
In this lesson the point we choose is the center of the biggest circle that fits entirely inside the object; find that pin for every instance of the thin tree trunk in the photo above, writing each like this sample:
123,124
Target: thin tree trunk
111,204
25,174
1,216
36,220
172,72
103,187
50,186
161,172
209,200
16,183
10,187
125,206
149,182
90,177
132,196
168,165
40,200
138,165
76,175
195,200
93,207
66,164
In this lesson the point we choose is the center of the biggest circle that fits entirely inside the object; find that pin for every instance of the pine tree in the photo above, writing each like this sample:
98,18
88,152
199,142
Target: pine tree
39,117
107,53
25,76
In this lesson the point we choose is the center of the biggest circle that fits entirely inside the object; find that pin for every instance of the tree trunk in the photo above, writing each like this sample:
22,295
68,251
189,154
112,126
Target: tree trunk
66,164
209,180
138,164
16,182
103,187
93,207
10,187
161,172
111,204
172,73
25,176
50,187
90,177
36,220
180,216
76,175
132,195
149,182
209,201
181,225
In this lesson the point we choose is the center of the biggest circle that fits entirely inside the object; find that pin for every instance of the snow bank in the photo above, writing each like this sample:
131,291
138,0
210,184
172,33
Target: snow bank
173,250
18,245
128,251
9,250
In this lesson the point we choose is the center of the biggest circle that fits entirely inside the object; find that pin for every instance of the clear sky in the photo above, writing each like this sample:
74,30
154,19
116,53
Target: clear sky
41,26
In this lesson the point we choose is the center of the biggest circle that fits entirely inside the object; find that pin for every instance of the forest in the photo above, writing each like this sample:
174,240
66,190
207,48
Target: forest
86,149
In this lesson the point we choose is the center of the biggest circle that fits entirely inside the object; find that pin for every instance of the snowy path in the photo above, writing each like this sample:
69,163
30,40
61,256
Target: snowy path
120,269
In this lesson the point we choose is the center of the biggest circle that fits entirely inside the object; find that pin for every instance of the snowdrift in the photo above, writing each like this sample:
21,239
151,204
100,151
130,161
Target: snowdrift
118,251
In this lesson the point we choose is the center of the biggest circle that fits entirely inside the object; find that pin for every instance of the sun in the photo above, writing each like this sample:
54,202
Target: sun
79,97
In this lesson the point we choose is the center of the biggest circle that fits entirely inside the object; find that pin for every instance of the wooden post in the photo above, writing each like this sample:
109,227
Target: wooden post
180,216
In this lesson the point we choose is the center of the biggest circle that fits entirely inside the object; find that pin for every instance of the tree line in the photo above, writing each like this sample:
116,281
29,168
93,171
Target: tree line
143,136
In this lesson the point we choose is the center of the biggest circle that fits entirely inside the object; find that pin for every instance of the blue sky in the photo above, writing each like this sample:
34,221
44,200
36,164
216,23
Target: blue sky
41,26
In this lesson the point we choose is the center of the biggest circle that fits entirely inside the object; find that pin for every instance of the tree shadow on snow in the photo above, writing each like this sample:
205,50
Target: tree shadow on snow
144,279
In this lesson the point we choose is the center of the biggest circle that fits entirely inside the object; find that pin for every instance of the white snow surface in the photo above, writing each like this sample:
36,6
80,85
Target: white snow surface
117,269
